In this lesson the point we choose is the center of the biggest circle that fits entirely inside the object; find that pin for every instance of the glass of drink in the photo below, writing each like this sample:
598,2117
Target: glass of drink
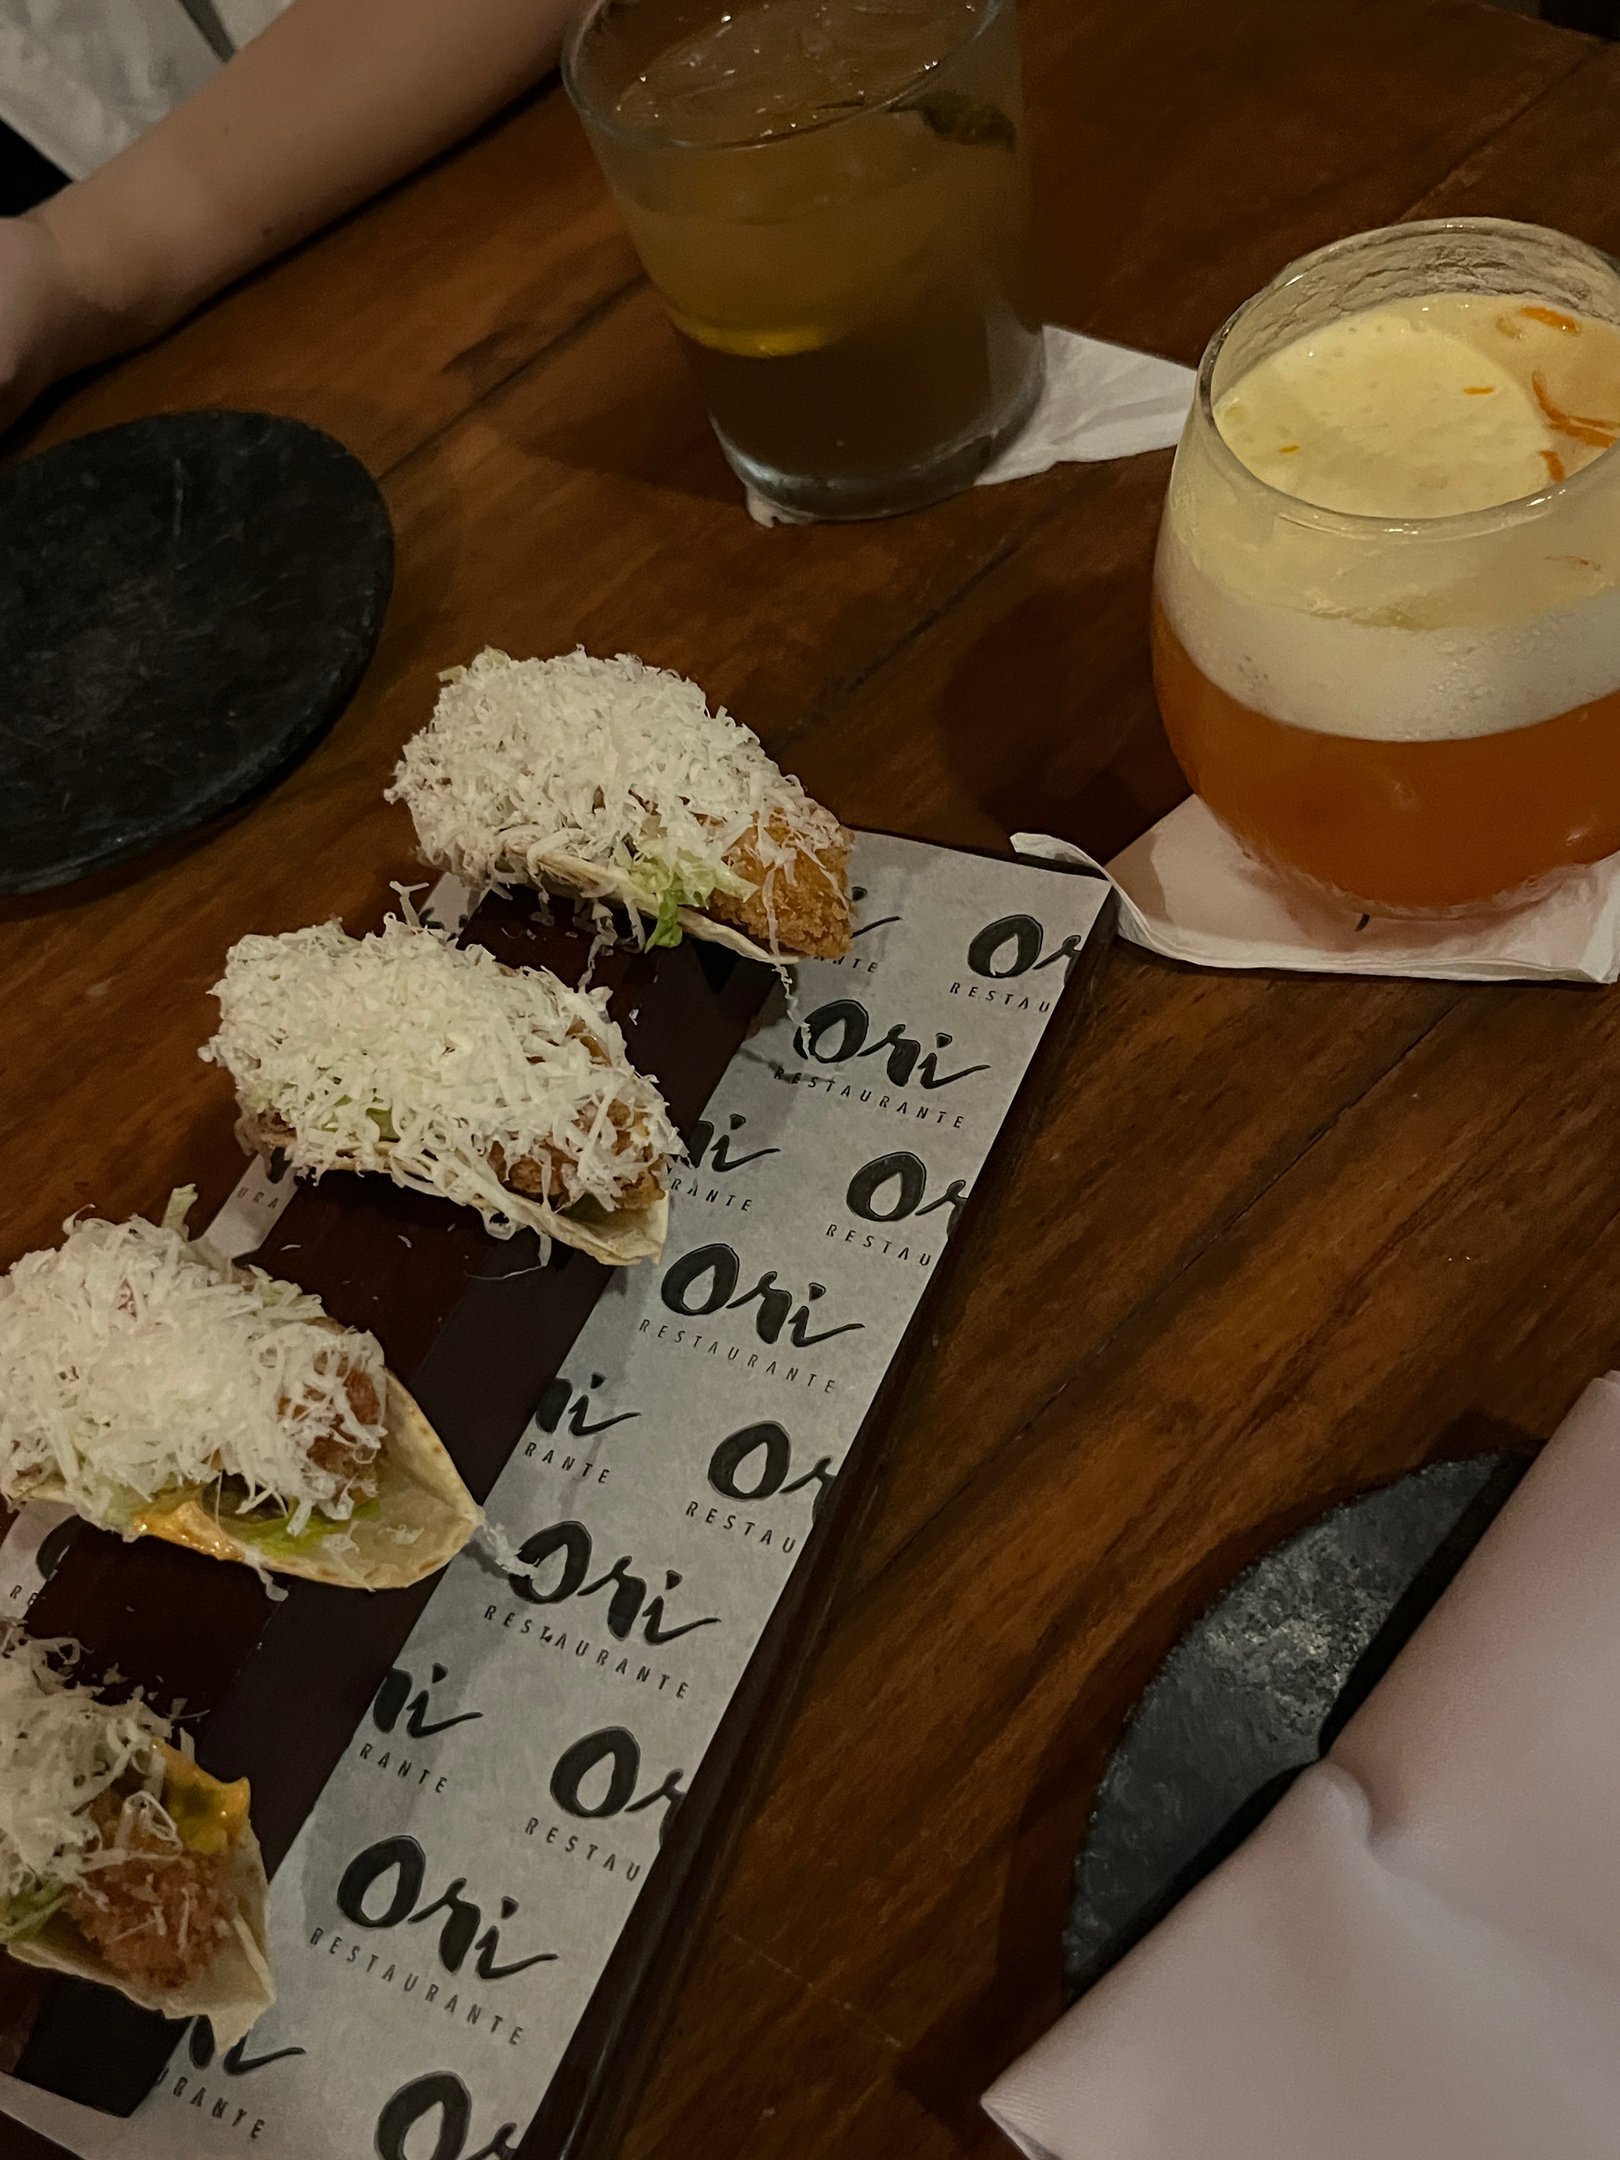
1386,622
832,198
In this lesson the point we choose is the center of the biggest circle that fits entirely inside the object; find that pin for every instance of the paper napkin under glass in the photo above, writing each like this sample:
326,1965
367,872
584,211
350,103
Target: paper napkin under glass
1100,401
1189,891
1417,1955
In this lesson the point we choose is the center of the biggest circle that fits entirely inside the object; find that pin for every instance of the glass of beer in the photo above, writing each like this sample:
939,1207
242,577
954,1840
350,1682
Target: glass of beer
1386,621
832,199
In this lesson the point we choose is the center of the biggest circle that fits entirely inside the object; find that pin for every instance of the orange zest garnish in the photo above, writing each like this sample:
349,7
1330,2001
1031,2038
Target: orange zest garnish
1596,434
1508,327
1554,318
1288,449
1479,389
1554,464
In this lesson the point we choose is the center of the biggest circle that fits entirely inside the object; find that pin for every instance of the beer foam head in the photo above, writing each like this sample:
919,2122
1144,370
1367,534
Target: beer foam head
1422,409
1429,407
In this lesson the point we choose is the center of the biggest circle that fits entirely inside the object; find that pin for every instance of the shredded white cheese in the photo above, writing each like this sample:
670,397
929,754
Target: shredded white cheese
60,1749
490,1542
611,764
406,1054
130,1367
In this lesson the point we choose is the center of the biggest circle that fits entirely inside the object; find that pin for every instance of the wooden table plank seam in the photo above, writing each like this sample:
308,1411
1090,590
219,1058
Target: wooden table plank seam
554,349
1127,1327
861,2019
1063,487
1479,154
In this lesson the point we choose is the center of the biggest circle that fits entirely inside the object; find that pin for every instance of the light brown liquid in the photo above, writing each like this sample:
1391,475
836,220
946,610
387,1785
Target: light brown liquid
850,277
1408,725
1424,826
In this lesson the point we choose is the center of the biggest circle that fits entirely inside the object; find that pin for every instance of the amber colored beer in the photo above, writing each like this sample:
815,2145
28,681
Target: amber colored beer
1413,827
1386,621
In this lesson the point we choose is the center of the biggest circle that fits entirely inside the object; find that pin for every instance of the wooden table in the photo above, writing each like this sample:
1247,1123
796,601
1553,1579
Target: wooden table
1275,1238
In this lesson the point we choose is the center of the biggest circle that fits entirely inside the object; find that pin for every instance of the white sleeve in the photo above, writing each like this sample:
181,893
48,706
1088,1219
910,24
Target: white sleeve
244,19
80,79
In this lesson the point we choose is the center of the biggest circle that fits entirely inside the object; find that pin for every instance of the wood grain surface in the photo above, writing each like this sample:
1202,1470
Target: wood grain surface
1273,1238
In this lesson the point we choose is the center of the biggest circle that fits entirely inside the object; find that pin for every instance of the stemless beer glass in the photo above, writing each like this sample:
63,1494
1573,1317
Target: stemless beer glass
832,198
1418,714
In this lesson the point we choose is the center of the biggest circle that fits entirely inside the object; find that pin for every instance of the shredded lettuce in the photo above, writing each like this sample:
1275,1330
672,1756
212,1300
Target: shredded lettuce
181,1202
667,929
269,1535
27,1910
686,882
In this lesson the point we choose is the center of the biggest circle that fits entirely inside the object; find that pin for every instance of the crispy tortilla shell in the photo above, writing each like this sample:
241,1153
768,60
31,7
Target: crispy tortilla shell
618,1237
420,1519
579,880
234,1989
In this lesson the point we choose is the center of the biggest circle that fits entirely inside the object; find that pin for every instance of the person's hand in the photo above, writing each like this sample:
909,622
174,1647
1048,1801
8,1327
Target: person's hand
49,324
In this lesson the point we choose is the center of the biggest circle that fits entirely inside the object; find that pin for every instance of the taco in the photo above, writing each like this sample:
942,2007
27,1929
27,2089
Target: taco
159,1395
121,1861
499,1088
612,781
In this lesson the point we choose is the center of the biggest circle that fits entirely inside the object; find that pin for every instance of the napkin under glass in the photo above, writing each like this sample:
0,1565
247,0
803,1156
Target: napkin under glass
1189,891
1100,401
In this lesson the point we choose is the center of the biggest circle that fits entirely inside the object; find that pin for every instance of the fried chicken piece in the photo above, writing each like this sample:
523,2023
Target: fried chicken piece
551,1177
805,901
156,1912
354,1460
364,1400
554,1176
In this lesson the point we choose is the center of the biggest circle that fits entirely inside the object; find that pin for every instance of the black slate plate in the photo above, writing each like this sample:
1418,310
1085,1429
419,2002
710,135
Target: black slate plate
185,603
1258,1688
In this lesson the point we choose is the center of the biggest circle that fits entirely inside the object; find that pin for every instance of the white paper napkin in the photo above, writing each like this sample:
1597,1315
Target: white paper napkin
1100,401
1417,1955
1187,890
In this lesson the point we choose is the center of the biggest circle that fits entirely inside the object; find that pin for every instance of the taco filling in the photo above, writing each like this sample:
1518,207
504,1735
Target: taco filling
156,1893
119,1857
614,780
499,1088
135,1376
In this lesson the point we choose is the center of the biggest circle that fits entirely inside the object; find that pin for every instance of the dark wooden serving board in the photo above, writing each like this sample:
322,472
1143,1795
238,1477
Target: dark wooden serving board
476,1327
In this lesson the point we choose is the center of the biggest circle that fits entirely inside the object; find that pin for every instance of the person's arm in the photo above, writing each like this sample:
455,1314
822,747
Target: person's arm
334,100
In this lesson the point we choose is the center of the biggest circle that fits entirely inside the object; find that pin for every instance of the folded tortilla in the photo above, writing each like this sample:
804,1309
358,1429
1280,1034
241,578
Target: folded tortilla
235,1987
575,879
618,1237
614,781
420,1518
447,1071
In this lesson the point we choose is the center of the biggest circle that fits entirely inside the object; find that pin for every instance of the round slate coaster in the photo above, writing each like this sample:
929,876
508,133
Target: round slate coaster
1257,1689
185,603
